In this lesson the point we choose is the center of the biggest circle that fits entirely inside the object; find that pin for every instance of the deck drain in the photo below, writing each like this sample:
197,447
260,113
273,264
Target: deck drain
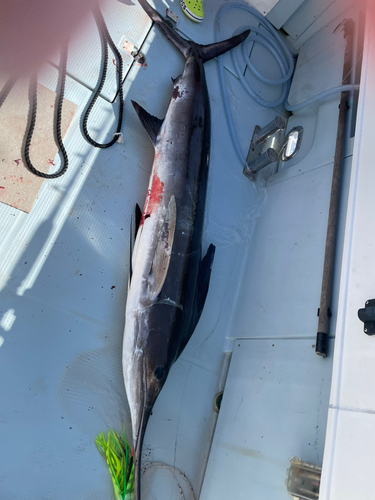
217,401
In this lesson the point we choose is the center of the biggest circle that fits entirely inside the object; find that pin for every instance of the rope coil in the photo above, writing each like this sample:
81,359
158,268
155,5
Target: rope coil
116,137
33,99
106,40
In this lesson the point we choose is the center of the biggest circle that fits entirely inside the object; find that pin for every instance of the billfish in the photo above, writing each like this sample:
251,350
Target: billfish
169,278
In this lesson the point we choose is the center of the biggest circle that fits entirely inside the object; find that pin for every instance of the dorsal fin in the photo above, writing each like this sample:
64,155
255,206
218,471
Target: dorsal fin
175,80
152,124
163,251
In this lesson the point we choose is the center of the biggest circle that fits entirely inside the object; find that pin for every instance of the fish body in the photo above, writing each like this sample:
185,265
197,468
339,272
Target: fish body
169,279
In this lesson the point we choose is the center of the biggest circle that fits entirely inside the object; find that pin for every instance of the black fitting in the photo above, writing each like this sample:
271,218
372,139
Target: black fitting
367,315
321,344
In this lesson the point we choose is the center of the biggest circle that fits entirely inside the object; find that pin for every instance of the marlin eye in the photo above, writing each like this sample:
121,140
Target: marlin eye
159,372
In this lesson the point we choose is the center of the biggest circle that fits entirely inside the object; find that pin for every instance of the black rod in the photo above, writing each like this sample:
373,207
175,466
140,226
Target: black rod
333,214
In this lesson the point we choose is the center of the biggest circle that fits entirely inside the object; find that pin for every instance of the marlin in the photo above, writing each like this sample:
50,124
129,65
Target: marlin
169,278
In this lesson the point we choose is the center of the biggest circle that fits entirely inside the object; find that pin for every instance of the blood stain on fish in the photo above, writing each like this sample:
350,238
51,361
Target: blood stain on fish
153,199
176,92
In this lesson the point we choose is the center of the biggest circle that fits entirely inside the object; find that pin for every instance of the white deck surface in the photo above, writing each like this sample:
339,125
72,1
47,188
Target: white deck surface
281,413
348,467
63,282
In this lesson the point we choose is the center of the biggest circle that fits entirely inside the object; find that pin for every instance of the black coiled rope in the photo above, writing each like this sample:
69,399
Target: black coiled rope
33,99
106,40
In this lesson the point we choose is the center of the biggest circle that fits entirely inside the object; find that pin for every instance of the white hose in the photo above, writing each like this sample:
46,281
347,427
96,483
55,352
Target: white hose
321,96
175,473
273,42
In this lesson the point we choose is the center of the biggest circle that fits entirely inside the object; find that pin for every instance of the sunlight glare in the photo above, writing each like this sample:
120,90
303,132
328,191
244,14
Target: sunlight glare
7,321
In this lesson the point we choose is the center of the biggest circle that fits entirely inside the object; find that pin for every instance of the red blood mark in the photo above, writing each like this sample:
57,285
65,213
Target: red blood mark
153,199
2,187
114,62
176,92
51,105
50,161
17,161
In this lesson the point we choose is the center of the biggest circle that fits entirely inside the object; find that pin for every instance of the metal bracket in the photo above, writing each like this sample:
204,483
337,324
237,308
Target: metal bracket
133,50
265,146
172,16
367,315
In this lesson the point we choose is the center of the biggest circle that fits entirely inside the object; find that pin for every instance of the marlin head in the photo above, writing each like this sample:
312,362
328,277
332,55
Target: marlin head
146,368
153,375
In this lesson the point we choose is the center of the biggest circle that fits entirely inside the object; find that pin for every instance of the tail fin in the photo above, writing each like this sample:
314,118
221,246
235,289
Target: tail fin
182,44
206,52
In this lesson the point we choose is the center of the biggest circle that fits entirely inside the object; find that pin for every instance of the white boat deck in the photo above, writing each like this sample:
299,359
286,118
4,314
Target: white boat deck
64,273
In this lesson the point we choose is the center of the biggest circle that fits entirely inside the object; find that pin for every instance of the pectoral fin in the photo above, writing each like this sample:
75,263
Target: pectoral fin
203,281
163,251
134,226
204,275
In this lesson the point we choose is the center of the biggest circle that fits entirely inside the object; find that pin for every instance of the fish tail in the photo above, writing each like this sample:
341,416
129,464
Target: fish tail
119,457
205,52
182,44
